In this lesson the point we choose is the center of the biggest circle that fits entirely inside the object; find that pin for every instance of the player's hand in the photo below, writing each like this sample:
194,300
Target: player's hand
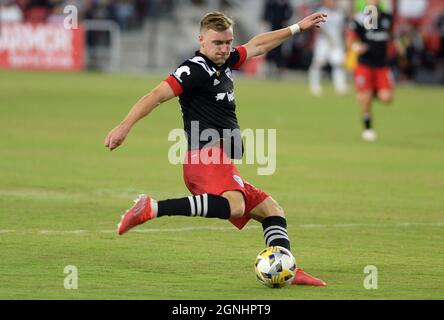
359,48
116,137
363,48
313,20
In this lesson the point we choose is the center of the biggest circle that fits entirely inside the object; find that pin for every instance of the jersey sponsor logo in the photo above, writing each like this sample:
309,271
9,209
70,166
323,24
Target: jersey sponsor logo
223,95
238,180
377,36
180,71
216,82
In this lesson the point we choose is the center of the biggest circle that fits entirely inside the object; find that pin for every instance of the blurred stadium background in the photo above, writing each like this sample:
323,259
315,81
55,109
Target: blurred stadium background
156,35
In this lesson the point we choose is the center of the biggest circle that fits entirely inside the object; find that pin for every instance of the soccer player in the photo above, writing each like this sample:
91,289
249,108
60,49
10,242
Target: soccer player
329,47
205,88
373,77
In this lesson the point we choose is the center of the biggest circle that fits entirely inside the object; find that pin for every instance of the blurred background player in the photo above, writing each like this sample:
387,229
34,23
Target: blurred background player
276,14
329,48
440,27
373,77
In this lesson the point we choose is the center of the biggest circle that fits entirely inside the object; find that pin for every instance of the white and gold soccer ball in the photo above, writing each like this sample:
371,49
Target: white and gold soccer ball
275,267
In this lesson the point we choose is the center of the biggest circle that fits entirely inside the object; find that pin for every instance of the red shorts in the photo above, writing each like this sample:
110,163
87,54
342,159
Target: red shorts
373,79
216,177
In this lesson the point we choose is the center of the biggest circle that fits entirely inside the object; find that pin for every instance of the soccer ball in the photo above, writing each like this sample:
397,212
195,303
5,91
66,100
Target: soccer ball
275,267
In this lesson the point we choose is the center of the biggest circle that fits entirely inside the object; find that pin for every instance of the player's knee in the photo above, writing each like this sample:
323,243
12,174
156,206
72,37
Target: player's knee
385,96
364,97
238,210
237,203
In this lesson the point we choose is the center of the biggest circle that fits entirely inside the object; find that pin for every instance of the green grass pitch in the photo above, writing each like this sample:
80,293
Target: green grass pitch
349,204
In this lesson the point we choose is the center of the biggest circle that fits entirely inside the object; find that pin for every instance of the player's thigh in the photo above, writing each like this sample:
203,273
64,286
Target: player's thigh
336,57
267,208
385,95
320,55
365,96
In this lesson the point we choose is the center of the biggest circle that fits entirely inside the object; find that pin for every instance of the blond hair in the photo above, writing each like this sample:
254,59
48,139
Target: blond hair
216,21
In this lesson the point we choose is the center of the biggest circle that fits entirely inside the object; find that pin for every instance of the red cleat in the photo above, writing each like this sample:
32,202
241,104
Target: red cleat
137,214
304,279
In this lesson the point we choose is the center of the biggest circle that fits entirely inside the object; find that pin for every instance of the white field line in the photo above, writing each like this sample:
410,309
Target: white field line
60,195
162,230
373,225
193,229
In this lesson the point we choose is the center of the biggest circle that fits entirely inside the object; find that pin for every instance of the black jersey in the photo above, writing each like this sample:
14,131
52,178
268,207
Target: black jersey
206,96
376,39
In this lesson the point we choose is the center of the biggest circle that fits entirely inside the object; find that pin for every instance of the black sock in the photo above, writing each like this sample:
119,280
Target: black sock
367,121
275,232
204,205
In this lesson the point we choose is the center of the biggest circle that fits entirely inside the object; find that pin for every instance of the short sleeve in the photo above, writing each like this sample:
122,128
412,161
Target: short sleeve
351,32
187,77
238,57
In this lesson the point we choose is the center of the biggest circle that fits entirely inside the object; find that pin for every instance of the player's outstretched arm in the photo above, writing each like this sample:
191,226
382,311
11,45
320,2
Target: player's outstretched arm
141,109
265,42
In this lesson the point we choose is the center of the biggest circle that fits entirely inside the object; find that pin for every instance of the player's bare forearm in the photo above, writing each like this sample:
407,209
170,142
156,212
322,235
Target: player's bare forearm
141,109
265,42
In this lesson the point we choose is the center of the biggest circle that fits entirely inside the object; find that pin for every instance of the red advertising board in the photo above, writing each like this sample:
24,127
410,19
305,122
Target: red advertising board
41,47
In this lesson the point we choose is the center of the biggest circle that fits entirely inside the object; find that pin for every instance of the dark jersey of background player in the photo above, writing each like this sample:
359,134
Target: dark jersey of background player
376,39
206,95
